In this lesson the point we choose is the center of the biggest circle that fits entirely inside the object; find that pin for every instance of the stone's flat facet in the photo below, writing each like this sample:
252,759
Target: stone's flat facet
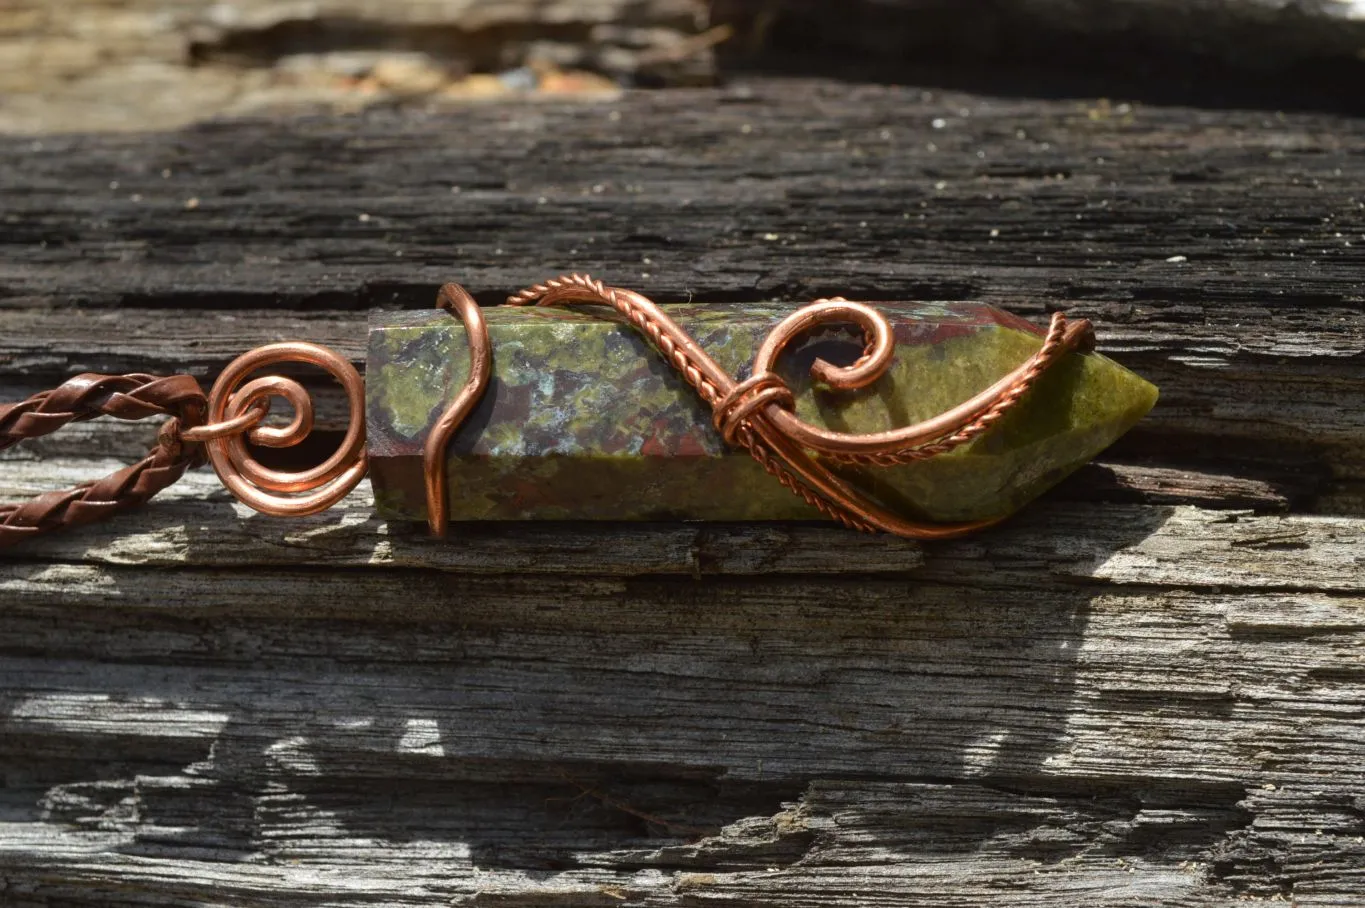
584,420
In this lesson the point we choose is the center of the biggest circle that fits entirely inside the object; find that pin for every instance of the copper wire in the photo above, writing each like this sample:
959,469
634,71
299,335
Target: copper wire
457,300
308,491
758,414
235,426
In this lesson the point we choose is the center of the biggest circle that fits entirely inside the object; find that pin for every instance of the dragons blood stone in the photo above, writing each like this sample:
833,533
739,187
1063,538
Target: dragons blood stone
584,420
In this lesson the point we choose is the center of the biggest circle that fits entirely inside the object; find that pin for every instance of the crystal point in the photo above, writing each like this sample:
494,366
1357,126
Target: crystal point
584,420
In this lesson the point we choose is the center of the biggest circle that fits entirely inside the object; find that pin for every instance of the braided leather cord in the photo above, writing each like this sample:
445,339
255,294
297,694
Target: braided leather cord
134,396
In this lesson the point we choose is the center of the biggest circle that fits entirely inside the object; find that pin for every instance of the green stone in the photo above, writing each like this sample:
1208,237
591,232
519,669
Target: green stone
584,420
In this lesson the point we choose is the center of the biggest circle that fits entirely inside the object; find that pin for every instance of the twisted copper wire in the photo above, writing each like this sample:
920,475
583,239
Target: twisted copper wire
792,468
87,396
1062,337
758,414
696,367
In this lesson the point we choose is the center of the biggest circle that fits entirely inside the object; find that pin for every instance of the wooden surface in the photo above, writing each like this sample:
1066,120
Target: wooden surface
76,65
1281,54
79,65
1146,690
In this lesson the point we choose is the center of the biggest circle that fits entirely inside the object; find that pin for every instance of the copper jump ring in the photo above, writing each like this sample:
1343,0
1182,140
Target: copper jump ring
248,420
235,412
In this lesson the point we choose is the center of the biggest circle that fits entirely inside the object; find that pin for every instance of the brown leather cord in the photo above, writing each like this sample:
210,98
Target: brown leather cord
132,397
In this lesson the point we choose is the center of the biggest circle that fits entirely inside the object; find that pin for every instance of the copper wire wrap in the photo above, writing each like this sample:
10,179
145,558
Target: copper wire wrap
758,413
457,300
233,414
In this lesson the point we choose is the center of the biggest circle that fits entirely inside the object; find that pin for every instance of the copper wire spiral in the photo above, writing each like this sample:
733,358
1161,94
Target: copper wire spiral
758,413
233,415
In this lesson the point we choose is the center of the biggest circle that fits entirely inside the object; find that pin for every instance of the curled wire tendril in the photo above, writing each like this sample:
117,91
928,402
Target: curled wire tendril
758,414
232,409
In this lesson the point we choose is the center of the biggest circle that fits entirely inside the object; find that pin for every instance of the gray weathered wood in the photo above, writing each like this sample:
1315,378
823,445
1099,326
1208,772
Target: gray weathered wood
1063,711
1146,690
70,65
1219,253
1302,54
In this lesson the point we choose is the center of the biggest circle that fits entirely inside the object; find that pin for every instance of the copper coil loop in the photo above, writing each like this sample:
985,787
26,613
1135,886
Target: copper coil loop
735,407
235,413
758,414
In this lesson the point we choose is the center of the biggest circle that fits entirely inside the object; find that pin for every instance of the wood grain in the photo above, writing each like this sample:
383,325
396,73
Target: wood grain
1145,690
75,65
1146,713
1218,252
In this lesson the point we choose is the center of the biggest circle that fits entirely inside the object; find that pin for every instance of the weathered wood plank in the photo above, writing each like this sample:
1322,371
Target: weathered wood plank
1113,704
73,65
196,524
1219,252
1094,713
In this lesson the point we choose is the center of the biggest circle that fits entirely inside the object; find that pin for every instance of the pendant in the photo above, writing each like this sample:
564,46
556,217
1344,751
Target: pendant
582,420
580,401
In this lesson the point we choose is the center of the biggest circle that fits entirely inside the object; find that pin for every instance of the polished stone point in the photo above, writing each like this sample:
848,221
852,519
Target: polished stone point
583,420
